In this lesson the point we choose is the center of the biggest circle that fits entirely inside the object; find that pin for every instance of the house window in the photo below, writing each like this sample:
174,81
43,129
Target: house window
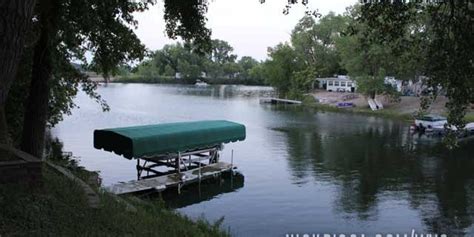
349,84
330,83
343,84
336,83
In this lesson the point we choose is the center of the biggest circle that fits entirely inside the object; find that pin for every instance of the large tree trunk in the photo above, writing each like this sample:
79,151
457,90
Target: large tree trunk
36,113
15,21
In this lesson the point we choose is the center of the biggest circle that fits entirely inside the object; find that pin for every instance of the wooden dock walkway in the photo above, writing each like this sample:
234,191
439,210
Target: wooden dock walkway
171,180
278,101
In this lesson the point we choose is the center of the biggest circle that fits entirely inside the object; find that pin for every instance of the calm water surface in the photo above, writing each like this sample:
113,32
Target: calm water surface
304,171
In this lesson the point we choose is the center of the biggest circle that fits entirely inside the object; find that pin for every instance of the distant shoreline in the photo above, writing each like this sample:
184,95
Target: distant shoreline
182,81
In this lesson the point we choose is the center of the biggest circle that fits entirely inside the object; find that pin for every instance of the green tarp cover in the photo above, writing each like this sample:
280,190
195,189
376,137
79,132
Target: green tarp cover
138,141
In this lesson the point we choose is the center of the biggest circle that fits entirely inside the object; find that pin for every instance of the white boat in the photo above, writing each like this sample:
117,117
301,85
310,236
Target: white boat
200,83
440,130
430,121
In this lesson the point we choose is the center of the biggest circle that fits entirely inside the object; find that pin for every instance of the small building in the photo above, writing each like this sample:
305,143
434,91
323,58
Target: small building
340,83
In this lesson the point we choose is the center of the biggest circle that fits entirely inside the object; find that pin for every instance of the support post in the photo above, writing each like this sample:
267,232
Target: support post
178,160
199,171
232,159
139,173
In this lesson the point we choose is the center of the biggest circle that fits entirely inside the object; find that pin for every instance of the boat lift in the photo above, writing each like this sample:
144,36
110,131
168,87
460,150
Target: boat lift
170,154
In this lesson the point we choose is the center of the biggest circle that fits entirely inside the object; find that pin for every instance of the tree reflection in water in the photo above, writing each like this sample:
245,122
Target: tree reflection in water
380,160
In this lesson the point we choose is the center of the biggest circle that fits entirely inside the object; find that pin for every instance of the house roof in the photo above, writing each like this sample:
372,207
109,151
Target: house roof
339,78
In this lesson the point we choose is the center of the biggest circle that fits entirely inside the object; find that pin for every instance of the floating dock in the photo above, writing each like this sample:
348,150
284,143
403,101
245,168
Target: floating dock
278,101
163,182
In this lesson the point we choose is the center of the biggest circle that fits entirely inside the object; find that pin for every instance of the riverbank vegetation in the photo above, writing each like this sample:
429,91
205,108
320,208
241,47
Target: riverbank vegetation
409,41
60,207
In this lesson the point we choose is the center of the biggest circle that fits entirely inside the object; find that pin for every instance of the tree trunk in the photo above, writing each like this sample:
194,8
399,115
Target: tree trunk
3,127
36,112
15,21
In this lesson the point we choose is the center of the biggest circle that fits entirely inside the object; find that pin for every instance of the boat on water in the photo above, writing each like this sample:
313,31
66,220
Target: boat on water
436,125
441,130
429,121
200,83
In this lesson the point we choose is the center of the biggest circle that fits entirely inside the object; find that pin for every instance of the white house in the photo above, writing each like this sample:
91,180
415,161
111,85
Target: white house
338,83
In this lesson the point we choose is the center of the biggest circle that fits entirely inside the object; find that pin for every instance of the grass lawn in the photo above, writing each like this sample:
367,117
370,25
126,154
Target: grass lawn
470,117
387,113
59,208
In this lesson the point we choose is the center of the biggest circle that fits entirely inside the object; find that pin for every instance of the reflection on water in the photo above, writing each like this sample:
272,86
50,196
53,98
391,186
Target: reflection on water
226,91
369,164
305,171
200,192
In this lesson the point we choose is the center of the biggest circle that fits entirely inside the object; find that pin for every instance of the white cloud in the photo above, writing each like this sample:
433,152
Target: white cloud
250,27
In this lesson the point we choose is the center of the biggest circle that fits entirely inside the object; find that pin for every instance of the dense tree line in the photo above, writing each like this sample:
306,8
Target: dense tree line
180,61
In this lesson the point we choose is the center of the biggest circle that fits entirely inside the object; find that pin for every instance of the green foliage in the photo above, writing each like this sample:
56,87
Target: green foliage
440,39
60,209
218,64
280,67
221,52
291,69
370,85
257,73
185,18
17,98
368,60
450,56
301,82
231,69
314,43
246,64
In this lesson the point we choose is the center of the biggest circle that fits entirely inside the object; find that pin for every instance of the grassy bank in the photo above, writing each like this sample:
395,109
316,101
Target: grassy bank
60,208
309,101
470,118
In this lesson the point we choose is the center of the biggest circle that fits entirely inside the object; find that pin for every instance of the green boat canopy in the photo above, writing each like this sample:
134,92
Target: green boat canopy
147,140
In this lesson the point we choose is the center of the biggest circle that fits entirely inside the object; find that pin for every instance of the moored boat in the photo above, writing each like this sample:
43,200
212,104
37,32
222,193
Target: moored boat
200,83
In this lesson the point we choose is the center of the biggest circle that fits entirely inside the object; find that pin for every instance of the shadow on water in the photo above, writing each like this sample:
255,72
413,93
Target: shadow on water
370,163
200,192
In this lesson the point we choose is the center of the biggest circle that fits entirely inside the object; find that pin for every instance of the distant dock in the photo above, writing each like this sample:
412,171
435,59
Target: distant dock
278,101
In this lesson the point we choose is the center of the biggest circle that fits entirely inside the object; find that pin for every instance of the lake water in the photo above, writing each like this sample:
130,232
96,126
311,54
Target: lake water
304,171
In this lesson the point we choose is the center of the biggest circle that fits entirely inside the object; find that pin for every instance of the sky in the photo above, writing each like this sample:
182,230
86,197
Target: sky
249,26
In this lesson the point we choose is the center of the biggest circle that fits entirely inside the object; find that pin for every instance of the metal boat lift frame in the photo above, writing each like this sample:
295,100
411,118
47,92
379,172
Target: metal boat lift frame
178,162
